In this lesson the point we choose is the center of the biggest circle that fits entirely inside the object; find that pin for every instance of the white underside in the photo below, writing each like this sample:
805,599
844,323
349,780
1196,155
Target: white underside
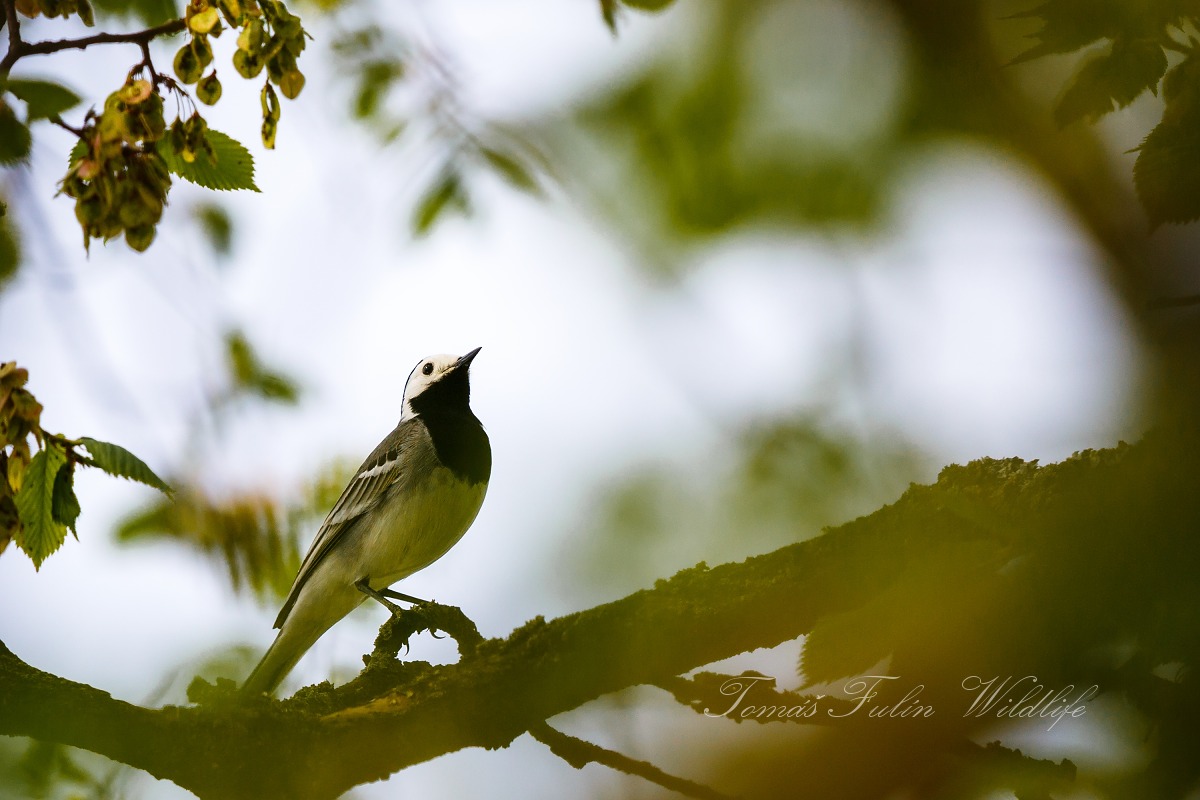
404,536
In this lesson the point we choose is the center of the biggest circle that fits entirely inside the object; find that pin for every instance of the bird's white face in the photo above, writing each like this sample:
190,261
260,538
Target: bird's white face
427,372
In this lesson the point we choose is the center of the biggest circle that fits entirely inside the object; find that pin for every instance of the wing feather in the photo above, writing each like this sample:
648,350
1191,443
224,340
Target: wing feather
366,490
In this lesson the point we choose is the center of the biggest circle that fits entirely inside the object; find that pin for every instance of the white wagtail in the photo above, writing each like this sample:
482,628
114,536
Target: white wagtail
410,501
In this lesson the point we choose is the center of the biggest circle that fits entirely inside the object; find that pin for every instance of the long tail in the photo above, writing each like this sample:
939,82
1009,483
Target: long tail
279,659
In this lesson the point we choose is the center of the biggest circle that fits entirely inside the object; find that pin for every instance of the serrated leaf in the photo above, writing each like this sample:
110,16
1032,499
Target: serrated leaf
233,169
1071,24
43,99
77,153
444,192
116,460
1167,171
41,534
845,644
65,505
1112,79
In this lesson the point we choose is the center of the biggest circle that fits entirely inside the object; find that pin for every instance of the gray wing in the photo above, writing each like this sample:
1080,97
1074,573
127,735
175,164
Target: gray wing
366,490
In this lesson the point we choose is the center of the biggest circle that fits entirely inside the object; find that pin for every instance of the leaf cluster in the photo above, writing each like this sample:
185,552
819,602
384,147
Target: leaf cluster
1134,59
37,490
269,37
120,183
121,170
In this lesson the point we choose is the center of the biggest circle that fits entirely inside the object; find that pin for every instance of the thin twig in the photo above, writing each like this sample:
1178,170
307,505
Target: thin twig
19,49
14,37
578,752
57,120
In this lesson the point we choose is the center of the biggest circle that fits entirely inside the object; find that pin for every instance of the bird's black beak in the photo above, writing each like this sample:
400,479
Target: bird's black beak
466,360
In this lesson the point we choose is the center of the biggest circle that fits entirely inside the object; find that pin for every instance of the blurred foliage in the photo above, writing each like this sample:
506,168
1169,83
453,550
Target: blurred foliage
772,483
705,139
45,768
254,536
37,489
1139,36
10,249
149,12
1080,573
402,90
217,226
610,9
252,377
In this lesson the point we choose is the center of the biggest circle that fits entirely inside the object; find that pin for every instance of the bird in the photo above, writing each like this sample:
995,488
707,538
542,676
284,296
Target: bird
412,499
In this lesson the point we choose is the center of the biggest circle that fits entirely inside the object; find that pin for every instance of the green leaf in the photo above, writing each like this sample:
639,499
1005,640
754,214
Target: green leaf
77,153
510,169
845,644
65,505
252,376
608,10
41,534
10,252
116,460
217,226
234,167
1112,79
44,99
15,141
1167,171
1069,25
446,191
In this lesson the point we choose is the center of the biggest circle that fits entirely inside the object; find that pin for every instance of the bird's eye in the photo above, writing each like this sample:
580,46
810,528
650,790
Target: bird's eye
427,369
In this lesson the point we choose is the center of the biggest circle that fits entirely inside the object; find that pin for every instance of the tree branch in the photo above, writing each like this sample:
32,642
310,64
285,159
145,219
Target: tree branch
325,741
14,37
579,753
19,49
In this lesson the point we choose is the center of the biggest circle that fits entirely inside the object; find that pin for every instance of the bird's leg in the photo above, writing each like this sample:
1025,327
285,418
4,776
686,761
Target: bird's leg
406,598
365,587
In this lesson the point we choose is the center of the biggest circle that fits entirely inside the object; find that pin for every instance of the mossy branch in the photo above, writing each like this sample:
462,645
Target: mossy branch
326,740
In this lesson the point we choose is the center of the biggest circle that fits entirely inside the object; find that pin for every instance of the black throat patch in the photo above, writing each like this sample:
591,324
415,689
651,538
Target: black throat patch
458,437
